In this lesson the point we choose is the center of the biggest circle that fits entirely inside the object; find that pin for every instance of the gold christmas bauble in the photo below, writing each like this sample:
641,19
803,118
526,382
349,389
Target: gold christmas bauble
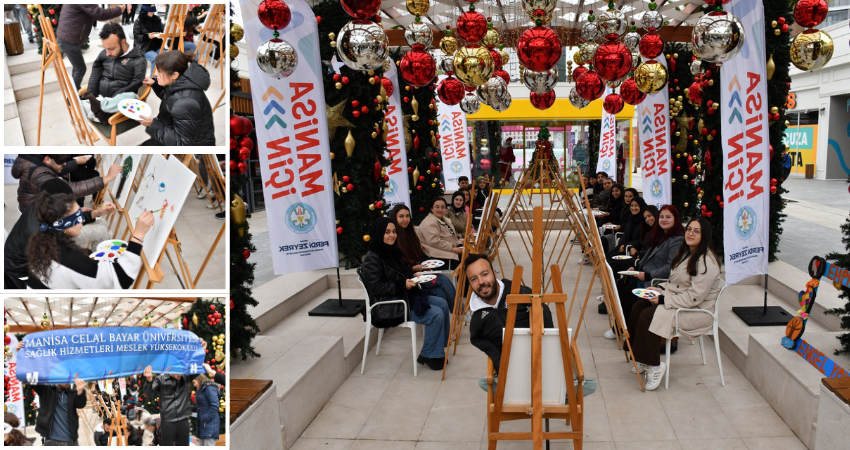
221,337
491,37
651,77
686,204
194,318
505,57
371,206
578,59
366,238
234,51
236,32
473,65
448,45
811,50
237,214
418,7
219,355
774,110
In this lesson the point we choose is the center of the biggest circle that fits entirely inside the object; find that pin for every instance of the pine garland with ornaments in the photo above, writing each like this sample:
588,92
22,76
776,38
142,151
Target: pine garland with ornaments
244,326
30,409
206,318
52,12
684,116
355,102
235,33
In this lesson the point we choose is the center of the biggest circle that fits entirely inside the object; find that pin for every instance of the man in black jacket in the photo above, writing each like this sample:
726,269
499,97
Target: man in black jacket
57,420
176,404
490,309
75,24
119,68
132,438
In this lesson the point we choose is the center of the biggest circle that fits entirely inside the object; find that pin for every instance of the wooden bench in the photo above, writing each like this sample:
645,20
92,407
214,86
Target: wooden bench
840,387
244,393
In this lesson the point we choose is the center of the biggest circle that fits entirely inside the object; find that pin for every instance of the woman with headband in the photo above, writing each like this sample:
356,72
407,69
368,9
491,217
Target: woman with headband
56,262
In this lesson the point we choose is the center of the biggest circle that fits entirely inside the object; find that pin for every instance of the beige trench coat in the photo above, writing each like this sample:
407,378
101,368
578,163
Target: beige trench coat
437,238
684,291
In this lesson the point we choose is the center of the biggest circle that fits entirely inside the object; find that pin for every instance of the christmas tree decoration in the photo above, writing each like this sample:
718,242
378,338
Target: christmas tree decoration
493,91
471,26
613,103
473,65
590,86
810,13
717,37
684,152
542,82
630,92
274,14
612,60
52,12
470,103
651,77
612,24
277,58
362,45
448,44
811,50
417,67
543,101
577,100
538,48
418,33
651,45
451,91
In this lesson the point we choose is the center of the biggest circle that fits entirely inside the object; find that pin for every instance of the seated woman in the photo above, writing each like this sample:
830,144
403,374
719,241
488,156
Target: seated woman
630,227
437,236
614,208
185,115
412,254
692,285
664,241
146,31
457,214
387,277
636,247
56,262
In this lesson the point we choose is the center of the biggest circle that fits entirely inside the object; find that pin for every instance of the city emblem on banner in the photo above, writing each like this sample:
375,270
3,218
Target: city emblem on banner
656,189
456,167
391,189
745,223
301,218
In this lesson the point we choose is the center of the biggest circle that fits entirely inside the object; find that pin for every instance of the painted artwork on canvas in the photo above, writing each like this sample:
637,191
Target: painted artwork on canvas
153,175
165,198
123,185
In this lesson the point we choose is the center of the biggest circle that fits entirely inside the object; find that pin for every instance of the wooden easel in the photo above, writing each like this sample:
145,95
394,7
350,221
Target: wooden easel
51,55
111,410
213,31
573,410
174,27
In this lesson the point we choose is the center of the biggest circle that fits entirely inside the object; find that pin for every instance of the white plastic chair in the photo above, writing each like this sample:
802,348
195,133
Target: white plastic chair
409,324
712,332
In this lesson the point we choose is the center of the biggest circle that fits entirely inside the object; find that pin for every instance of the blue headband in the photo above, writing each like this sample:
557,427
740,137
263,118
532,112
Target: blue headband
65,223
147,8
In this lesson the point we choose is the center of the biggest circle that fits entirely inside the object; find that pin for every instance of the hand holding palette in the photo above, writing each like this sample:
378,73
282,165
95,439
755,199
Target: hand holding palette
109,250
135,109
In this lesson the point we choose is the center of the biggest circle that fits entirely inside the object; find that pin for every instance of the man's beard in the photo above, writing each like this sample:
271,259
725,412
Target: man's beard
121,51
492,287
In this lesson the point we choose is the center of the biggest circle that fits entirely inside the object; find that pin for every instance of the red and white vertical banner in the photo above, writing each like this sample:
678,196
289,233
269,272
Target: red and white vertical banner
746,164
608,143
654,136
15,402
454,145
293,145
398,188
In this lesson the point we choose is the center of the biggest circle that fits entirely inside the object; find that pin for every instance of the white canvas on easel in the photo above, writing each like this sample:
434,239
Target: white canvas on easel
518,387
153,175
134,162
165,202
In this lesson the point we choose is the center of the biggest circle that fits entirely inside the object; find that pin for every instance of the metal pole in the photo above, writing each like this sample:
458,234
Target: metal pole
765,293
339,288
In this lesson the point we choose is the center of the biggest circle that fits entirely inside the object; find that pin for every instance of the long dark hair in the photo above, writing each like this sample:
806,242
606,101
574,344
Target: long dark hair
658,235
406,238
703,249
44,246
16,438
645,229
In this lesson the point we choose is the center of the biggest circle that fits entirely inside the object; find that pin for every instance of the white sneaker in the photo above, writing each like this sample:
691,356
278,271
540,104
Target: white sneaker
202,194
609,334
641,368
654,376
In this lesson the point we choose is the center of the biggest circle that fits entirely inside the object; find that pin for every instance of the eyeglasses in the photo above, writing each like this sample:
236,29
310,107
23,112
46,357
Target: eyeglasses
439,207
693,230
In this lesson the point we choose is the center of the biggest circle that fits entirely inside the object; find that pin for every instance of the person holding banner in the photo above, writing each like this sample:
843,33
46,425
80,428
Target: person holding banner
386,277
173,392
56,262
692,285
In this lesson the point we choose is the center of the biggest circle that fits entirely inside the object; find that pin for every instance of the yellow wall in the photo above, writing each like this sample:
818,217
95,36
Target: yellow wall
521,109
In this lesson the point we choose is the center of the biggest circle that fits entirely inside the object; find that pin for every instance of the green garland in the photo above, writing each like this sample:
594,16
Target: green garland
684,171
243,327
202,308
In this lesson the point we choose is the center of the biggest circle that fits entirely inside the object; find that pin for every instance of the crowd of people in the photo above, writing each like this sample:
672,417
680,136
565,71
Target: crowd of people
120,71
58,423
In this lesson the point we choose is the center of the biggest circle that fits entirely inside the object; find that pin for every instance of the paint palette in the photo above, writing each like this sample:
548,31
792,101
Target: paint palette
109,250
423,279
644,293
609,226
432,263
597,213
134,109
621,257
628,272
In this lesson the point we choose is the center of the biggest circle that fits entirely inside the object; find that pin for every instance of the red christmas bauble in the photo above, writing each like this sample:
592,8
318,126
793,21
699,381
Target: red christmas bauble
232,143
51,11
485,164
772,183
630,92
579,71
497,58
539,48
350,187
590,86
244,153
237,127
417,67
419,188
651,45
217,315
695,93
543,101
612,61
613,103
231,303
379,204
242,167
233,166
451,91
361,9
810,13
246,142
503,75
53,21
346,178
471,26
388,86
212,307
246,253
274,14
773,189
716,2
7,340
247,126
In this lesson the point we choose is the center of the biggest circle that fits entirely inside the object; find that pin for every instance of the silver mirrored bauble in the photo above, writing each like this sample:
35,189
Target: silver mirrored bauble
540,82
484,150
652,20
576,99
588,49
502,104
717,37
492,91
615,84
547,6
446,64
470,103
632,39
589,31
612,24
696,67
277,58
362,45
418,33
636,60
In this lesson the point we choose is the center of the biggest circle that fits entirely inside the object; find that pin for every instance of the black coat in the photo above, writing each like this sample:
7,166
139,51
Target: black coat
385,281
131,438
142,27
174,396
47,400
185,116
75,21
110,77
